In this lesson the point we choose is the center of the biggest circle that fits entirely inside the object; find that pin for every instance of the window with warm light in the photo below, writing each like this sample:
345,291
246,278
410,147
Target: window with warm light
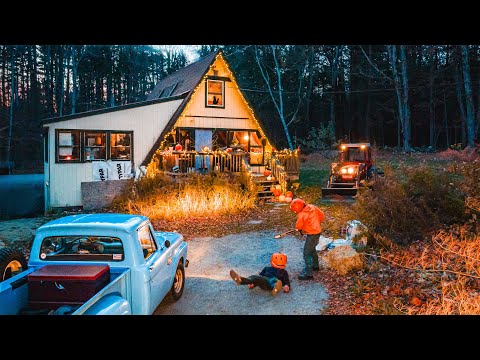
215,94
256,149
68,146
79,146
186,138
95,146
120,146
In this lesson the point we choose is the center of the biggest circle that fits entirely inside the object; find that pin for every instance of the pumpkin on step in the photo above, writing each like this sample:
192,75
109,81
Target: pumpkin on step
277,192
289,194
267,172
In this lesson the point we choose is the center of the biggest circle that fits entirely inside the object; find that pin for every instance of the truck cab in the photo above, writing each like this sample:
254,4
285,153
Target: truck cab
144,265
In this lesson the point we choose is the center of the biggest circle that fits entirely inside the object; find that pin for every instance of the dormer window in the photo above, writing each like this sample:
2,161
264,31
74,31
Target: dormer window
168,91
215,95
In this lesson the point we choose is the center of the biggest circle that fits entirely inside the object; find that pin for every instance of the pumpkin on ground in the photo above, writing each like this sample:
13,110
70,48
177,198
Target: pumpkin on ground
281,198
289,194
288,199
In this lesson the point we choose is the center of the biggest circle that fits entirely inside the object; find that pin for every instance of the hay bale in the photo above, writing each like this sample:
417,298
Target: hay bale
343,259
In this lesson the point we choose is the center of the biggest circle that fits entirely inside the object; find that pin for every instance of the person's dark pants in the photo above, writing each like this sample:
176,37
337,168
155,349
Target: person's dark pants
263,282
310,254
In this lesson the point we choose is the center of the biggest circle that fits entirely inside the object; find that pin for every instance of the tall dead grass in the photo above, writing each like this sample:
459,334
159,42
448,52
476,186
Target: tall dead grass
455,258
195,196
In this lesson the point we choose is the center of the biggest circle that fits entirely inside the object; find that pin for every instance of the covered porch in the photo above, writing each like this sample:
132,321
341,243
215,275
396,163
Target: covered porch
284,165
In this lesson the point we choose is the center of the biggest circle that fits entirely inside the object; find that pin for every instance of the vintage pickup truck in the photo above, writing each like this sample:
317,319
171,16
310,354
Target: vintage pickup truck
97,264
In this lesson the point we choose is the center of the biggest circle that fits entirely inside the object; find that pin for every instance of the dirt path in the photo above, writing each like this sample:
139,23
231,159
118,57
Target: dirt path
209,290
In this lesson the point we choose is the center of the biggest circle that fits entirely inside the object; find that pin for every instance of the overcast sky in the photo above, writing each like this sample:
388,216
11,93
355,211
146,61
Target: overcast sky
190,50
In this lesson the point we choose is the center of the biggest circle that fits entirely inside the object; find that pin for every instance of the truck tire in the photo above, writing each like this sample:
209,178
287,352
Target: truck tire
178,282
12,262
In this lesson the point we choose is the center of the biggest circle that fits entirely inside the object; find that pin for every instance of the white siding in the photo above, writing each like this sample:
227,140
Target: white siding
235,115
146,122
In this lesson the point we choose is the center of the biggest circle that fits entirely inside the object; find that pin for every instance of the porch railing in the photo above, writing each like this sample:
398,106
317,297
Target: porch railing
278,171
285,167
184,162
289,161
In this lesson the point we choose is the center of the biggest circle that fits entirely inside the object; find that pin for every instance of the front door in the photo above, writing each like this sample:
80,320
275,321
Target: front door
203,138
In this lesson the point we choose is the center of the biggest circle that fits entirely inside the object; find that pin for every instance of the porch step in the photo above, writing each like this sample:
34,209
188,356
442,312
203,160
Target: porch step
264,193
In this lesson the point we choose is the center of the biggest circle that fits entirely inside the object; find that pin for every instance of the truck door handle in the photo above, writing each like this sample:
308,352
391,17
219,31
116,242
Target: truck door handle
151,268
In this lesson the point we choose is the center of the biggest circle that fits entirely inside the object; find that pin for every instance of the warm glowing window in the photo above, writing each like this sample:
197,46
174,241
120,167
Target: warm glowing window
186,138
68,146
215,93
219,139
95,146
120,146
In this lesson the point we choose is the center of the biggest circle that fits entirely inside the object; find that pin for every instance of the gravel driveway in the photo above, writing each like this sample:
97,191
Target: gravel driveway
209,290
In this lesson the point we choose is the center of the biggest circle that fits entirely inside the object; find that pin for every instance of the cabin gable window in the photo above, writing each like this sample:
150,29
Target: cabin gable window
215,93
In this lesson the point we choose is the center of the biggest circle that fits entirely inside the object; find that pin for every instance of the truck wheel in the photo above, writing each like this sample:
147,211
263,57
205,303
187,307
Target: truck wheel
178,282
12,262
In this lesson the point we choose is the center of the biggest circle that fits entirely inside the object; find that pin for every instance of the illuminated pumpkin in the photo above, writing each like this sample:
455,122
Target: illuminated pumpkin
267,173
278,187
288,199
178,147
281,198
277,192
289,194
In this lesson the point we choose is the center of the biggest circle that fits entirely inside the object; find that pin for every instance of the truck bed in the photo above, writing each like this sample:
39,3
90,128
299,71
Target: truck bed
14,296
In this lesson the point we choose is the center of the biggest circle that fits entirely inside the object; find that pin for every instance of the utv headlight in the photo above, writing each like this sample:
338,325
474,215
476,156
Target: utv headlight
351,170
343,170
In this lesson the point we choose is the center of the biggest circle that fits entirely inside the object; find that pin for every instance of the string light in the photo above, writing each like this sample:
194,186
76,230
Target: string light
151,166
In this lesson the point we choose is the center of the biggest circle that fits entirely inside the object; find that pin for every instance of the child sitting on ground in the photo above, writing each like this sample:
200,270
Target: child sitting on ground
271,278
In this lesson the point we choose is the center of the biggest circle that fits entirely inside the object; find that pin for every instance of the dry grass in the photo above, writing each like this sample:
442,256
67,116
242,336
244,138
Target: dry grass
448,271
468,154
159,197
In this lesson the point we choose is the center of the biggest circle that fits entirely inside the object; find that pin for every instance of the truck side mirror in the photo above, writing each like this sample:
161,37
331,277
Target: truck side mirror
167,243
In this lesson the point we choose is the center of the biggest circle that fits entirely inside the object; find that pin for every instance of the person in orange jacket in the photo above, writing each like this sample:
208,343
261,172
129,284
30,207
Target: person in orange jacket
309,218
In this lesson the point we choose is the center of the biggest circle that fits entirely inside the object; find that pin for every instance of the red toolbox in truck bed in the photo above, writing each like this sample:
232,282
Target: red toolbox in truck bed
54,285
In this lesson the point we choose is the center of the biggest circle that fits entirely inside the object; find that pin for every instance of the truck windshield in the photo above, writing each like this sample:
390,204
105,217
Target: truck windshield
81,247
